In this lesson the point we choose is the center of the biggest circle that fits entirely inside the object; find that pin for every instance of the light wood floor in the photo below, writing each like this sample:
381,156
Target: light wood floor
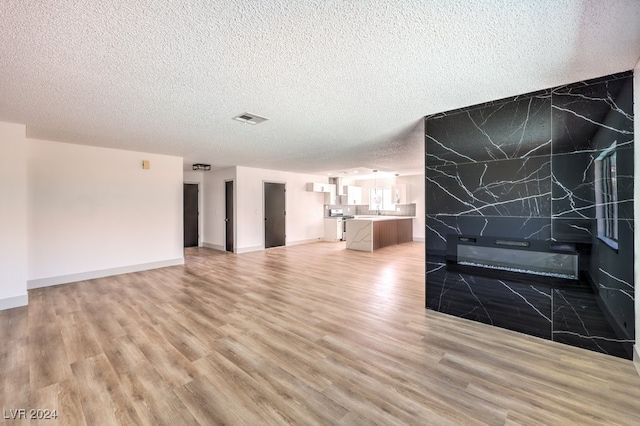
309,334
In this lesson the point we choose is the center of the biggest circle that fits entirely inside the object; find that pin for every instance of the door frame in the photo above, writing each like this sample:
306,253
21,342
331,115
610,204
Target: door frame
264,211
235,214
200,215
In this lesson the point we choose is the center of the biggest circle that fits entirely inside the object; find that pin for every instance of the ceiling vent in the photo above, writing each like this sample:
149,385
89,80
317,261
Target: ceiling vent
249,118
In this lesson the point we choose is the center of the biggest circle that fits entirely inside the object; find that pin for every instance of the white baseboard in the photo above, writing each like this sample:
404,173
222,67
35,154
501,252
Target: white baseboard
249,249
214,246
419,239
90,275
309,241
636,357
14,302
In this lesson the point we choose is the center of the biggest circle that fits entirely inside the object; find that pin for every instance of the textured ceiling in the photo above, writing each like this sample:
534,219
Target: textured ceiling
344,83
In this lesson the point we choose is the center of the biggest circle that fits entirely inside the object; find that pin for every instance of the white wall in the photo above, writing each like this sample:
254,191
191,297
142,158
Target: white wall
305,216
214,207
636,206
95,212
198,178
13,216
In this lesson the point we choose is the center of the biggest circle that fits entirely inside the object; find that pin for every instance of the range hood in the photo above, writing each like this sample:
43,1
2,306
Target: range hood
338,183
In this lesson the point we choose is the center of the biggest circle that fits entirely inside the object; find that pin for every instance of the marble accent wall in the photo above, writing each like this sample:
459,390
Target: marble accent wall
587,119
488,171
524,167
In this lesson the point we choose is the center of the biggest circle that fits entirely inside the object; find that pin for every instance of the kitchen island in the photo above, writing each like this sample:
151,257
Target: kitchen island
370,233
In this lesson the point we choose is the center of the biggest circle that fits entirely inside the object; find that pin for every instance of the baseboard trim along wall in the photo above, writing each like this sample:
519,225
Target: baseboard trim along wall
214,246
309,241
419,239
90,275
14,302
249,249
636,357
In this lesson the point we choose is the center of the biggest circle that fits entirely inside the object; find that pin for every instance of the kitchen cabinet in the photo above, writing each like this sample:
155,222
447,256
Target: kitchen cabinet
332,228
329,190
320,187
353,194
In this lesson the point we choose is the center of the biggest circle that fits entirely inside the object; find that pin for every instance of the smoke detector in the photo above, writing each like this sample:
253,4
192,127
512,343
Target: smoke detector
249,118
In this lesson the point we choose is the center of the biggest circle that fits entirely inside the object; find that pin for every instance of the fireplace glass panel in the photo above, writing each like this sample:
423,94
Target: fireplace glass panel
561,265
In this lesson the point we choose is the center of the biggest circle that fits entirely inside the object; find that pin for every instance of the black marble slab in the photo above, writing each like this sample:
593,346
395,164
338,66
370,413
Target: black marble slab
611,271
565,311
579,321
573,230
592,116
499,188
516,129
502,303
439,226
574,184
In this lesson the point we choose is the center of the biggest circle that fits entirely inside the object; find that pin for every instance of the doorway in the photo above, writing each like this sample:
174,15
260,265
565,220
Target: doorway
190,209
228,215
274,214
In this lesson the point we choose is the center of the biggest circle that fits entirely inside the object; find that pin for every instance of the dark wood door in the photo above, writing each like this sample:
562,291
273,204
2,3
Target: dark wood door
228,218
190,202
274,214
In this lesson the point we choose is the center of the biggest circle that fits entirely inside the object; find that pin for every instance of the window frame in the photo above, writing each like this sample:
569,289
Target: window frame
606,186
386,200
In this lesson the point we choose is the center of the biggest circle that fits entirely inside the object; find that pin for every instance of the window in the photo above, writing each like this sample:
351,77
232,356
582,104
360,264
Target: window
381,199
607,196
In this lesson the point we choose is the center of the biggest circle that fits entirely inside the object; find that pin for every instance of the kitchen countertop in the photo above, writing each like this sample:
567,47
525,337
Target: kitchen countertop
380,218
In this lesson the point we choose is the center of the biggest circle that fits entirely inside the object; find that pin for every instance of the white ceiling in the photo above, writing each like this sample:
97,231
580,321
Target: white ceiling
344,83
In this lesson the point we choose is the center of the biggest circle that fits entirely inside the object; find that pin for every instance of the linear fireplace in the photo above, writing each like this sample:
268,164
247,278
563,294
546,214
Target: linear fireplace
535,257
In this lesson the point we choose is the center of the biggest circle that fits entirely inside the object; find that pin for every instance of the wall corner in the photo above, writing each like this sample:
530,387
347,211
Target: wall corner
636,212
13,215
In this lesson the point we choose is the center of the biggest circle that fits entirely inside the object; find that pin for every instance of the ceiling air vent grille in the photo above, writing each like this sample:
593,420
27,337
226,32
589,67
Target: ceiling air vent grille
249,118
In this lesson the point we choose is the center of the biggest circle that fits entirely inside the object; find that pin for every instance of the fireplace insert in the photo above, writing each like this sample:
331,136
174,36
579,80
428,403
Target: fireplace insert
536,257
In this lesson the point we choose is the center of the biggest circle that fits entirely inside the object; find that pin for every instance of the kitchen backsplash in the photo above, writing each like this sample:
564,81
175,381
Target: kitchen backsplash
363,210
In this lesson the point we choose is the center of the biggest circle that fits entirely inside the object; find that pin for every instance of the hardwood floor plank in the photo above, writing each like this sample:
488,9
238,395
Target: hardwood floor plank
102,396
211,403
170,363
308,334
402,404
14,373
69,403
48,362
151,396
298,397
79,341
14,324
41,311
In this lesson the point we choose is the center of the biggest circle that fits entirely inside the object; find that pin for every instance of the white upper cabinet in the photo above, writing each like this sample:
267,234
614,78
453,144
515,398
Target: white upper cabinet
353,194
329,189
319,187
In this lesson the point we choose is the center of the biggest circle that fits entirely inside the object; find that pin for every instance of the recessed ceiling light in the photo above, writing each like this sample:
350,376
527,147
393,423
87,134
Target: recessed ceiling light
249,118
